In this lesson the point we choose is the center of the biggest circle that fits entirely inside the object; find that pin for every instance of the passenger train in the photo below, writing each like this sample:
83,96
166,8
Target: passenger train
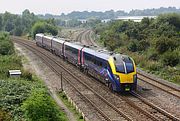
117,71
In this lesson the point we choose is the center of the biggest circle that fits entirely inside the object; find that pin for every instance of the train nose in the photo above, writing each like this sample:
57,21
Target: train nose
128,78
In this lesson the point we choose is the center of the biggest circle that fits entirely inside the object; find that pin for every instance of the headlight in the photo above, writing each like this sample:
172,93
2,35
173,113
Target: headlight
135,77
116,77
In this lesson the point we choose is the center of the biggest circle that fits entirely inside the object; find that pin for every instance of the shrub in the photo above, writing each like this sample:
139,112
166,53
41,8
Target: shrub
27,75
13,93
164,43
171,58
132,46
4,116
143,45
6,45
154,66
40,107
152,54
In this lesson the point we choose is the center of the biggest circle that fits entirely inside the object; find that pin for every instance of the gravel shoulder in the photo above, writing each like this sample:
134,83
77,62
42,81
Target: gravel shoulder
33,64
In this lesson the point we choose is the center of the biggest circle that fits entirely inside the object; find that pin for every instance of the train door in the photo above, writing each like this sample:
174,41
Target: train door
81,57
63,50
51,48
42,41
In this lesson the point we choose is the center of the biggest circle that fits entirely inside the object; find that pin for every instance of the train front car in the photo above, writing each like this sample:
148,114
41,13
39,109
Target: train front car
124,74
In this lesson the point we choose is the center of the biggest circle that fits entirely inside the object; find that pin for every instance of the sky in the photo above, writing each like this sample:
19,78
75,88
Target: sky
66,6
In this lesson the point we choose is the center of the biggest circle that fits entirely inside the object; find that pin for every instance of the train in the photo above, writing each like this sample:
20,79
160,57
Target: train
115,70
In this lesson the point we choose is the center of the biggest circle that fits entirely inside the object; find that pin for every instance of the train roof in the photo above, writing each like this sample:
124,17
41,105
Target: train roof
48,37
74,45
105,54
101,53
59,40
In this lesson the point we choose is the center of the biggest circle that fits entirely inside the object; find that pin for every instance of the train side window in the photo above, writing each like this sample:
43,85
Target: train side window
100,64
105,66
94,60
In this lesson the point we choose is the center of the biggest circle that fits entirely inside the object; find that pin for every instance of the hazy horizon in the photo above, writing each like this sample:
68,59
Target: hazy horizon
57,7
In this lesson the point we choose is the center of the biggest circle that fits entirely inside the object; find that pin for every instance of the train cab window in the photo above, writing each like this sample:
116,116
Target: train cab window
120,68
129,67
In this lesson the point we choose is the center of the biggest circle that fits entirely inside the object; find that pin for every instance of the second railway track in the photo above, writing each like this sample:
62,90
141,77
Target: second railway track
158,84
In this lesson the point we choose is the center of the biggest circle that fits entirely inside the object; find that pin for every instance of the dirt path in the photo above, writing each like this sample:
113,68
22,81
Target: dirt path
32,63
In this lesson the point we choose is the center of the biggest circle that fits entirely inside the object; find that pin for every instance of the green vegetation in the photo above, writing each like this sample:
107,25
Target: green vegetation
6,46
111,14
153,43
40,107
64,98
27,24
44,27
25,97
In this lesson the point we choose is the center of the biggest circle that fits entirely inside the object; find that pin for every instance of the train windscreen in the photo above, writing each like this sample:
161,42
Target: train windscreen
129,67
120,68
123,64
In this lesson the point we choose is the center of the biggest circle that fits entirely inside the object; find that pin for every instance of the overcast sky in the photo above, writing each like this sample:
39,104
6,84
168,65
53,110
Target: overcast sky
67,6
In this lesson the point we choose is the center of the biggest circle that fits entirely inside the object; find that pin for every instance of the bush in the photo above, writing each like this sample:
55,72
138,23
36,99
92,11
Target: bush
4,116
6,45
40,107
13,93
27,75
143,45
154,66
164,44
152,54
132,46
171,58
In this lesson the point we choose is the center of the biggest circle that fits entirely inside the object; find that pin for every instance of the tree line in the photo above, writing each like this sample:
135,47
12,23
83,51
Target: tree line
111,14
26,24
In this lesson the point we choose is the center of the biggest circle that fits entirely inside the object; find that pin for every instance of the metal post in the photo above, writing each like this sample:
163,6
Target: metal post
61,82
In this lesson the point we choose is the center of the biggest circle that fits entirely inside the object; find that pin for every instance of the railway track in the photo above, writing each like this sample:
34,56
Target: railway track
90,94
159,84
85,37
105,108
80,36
158,111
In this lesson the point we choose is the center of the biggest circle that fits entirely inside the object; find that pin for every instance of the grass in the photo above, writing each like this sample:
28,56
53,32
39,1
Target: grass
64,98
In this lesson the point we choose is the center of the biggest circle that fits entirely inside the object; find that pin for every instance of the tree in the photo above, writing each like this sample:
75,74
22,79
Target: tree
43,27
1,20
28,19
73,23
171,18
